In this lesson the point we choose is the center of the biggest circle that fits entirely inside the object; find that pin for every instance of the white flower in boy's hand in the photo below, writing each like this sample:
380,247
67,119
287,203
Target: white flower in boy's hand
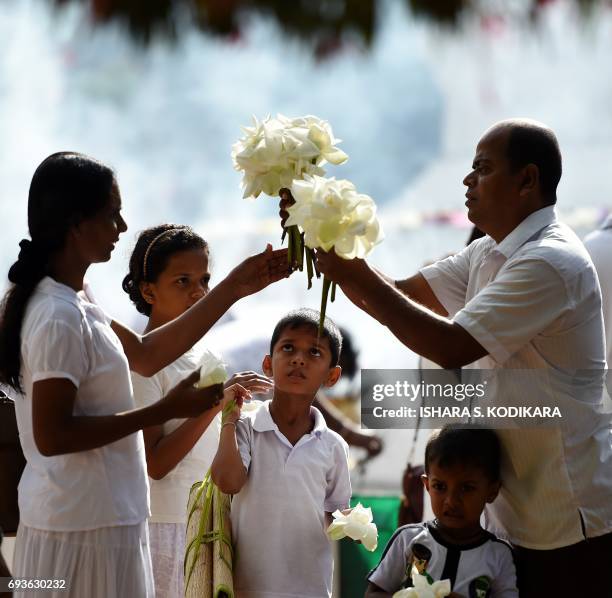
423,589
212,370
357,524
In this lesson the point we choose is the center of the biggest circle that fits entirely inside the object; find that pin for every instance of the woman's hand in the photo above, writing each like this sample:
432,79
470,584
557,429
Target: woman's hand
185,400
252,381
258,271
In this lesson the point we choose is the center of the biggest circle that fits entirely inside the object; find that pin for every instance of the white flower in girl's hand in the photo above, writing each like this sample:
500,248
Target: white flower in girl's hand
423,589
357,525
212,370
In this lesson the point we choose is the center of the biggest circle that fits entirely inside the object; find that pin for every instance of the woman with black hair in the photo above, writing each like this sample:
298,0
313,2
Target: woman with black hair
83,496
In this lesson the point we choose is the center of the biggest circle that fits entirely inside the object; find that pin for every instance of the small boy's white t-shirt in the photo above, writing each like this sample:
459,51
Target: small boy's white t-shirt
483,568
169,495
65,336
278,518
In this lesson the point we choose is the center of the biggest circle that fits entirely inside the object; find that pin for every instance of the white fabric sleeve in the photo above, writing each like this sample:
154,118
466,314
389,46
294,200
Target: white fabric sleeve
146,390
243,440
57,350
448,279
524,299
504,584
338,493
390,573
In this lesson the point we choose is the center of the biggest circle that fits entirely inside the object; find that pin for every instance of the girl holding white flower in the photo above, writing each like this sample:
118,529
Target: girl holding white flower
169,272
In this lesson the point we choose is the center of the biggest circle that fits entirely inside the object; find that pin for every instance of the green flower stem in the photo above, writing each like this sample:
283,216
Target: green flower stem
325,292
227,410
205,487
216,501
290,248
333,292
309,263
213,501
298,247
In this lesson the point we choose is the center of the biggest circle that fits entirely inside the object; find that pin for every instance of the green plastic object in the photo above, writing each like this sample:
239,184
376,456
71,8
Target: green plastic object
355,561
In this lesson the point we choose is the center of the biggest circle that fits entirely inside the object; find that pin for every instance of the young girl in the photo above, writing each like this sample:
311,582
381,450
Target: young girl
83,496
169,272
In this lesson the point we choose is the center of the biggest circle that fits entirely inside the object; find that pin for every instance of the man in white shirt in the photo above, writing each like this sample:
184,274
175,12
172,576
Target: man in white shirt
525,296
599,246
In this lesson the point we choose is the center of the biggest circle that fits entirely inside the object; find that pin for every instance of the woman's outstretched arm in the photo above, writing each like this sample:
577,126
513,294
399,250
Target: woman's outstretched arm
151,352
58,431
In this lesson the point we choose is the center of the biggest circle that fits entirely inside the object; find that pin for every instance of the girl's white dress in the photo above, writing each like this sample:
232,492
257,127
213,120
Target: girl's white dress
83,515
169,495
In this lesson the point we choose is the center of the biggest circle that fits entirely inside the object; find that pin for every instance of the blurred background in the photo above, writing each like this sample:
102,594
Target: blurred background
160,89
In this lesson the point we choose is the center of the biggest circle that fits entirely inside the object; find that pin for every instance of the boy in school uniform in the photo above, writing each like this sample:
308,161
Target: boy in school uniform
287,469
462,475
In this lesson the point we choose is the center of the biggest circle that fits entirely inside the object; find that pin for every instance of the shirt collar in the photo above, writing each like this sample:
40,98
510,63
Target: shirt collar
263,422
49,286
534,223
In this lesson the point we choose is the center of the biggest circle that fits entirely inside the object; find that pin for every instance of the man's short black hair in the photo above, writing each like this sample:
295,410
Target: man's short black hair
458,445
310,317
532,143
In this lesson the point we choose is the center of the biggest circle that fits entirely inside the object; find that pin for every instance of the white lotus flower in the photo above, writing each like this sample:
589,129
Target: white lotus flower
357,525
252,405
423,589
275,152
332,214
212,370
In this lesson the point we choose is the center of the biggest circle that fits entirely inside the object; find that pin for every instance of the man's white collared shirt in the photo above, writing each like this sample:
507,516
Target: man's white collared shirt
533,302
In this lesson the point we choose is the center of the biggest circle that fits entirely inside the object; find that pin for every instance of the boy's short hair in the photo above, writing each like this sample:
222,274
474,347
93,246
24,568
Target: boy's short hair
310,317
458,445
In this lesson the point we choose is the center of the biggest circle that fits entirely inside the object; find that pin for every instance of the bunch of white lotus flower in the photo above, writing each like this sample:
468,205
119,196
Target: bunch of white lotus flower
333,215
423,589
276,151
212,370
357,525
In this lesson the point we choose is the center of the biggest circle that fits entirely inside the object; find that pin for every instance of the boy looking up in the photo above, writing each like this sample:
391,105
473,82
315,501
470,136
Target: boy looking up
461,476
287,470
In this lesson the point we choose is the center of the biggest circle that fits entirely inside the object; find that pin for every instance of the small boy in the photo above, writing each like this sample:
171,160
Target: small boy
287,470
462,474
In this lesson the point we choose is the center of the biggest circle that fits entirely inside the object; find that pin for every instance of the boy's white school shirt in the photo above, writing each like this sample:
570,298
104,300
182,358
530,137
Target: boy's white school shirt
278,518
65,336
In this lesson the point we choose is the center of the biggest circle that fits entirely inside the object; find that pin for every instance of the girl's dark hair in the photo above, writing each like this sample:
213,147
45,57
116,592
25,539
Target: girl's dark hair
66,189
154,248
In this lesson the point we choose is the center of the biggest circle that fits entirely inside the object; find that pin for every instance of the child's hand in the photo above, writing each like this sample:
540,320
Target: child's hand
235,393
252,381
